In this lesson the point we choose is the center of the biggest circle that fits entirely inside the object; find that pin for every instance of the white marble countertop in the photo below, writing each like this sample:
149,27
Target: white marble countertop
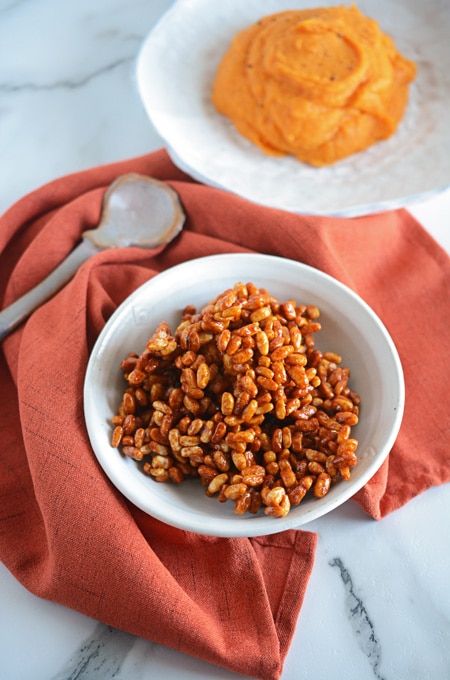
378,602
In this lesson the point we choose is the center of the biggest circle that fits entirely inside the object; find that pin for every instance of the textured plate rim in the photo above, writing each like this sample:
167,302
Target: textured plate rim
351,208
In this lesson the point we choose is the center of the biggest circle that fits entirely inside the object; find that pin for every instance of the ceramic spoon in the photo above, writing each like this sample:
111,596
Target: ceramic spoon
137,211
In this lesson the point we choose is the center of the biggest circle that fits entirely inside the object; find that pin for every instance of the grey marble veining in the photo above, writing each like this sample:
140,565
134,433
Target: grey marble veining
67,84
100,656
357,614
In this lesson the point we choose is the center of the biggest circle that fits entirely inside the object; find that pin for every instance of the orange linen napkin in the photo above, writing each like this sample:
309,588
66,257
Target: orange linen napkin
69,536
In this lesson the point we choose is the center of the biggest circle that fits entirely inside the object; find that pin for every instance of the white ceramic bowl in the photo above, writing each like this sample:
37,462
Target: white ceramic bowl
349,327
176,69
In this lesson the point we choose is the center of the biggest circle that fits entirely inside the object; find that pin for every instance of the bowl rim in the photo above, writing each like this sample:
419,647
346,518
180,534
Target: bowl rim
235,526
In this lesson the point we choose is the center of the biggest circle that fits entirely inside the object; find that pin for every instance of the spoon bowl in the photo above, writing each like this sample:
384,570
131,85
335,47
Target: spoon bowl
137,211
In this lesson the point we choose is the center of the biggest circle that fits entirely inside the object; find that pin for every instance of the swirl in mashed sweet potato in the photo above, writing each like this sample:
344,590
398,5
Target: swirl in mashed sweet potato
319,84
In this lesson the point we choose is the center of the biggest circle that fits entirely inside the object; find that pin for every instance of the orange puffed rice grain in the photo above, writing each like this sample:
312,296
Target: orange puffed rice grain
240,398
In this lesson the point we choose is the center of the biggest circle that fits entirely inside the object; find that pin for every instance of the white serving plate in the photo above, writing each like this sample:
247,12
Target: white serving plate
349,327
175,72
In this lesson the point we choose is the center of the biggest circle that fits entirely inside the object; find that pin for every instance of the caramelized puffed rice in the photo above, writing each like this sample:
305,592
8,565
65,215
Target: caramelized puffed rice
240,398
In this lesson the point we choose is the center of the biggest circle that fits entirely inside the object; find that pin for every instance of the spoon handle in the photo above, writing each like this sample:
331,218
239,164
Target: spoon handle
13,315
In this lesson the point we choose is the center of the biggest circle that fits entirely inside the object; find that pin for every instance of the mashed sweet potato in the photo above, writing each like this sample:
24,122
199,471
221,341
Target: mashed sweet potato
319,84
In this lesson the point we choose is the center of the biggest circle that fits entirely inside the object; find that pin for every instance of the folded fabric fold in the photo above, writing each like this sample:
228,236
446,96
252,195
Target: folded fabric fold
68,535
